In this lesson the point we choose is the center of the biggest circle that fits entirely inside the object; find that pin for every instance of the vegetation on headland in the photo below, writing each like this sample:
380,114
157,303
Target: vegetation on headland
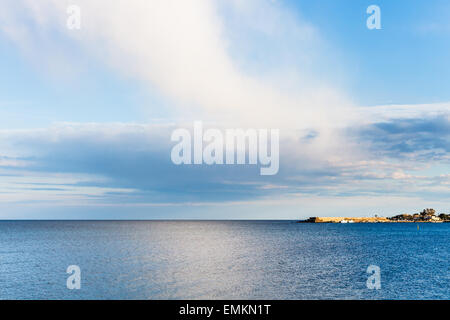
427,215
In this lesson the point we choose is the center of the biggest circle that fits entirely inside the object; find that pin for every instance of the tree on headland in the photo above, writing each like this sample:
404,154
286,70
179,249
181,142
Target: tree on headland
428,212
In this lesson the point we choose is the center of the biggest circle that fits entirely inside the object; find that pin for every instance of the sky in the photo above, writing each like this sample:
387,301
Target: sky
86,115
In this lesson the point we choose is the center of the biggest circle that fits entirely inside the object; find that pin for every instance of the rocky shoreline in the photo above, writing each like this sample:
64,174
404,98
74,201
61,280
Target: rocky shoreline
427,215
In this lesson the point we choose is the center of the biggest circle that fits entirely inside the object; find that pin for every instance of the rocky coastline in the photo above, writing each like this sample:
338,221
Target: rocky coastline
427,215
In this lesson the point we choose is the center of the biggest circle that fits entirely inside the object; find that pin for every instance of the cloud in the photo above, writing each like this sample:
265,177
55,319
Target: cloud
184,51
423,139
130,163
198,56
385,113
209,59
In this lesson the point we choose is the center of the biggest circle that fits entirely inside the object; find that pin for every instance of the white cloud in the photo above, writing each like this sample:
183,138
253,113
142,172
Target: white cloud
411,111
181,48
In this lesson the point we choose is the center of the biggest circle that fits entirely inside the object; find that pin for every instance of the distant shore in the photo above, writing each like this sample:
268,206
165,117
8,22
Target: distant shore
426,216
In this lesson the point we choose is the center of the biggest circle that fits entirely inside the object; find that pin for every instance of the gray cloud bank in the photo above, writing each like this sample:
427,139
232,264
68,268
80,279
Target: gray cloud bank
395,157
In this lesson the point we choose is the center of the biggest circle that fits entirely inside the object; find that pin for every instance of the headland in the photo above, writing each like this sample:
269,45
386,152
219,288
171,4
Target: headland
427,215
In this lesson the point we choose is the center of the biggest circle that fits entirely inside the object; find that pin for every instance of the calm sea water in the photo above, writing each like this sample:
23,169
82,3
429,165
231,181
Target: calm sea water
222,260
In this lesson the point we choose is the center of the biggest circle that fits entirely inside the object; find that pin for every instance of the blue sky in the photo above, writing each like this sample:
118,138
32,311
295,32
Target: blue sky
86,115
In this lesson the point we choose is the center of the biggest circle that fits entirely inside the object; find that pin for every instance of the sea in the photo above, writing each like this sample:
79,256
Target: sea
223,260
